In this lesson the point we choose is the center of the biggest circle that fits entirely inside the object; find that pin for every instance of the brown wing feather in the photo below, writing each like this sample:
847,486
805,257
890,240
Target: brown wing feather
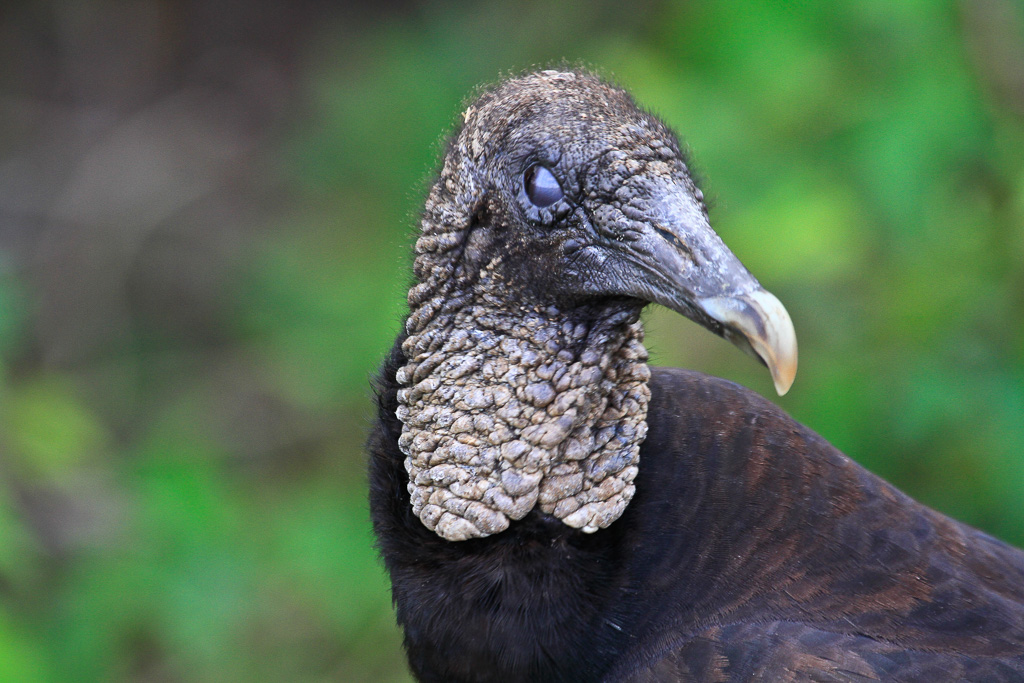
814,569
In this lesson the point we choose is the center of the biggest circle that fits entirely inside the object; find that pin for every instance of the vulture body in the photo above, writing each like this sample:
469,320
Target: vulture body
551,509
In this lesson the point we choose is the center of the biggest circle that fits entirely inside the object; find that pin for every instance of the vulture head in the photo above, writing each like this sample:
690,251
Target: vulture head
561,210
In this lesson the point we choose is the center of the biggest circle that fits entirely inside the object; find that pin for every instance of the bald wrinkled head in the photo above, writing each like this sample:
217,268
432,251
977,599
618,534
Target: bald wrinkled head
611,161
560,211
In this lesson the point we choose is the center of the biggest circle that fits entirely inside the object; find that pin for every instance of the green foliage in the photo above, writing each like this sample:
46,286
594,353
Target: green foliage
862,164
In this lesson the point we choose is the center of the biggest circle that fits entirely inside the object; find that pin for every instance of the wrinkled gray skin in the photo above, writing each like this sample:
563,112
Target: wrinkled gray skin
526,382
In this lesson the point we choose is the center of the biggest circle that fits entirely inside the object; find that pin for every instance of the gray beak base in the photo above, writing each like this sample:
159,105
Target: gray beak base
676,259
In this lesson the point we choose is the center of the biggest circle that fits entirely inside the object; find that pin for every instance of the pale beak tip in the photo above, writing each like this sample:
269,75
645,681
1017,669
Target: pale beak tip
783,376
775,339
765,325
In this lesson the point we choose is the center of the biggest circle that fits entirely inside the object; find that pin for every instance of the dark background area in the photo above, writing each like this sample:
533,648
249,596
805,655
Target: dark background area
206,210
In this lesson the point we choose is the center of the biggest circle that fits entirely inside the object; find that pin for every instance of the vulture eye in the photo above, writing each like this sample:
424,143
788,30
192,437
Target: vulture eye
541,186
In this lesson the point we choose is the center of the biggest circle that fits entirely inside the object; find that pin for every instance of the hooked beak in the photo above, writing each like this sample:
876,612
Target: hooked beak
677,260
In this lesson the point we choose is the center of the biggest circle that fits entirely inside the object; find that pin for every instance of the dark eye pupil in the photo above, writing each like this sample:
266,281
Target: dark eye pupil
541,186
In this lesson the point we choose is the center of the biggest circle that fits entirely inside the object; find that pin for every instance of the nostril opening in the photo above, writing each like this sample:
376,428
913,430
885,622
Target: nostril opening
671,238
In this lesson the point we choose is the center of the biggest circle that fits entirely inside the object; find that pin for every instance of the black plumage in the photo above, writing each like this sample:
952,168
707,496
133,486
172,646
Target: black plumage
703,534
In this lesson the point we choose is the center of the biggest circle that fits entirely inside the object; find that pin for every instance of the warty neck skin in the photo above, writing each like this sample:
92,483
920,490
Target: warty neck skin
510,406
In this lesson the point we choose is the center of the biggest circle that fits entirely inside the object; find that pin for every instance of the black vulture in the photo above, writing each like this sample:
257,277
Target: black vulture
549,508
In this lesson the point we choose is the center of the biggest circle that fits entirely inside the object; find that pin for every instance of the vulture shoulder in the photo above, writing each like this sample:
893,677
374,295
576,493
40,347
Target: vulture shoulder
819,570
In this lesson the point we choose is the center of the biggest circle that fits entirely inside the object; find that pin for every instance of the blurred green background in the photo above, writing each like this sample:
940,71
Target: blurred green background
206,210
